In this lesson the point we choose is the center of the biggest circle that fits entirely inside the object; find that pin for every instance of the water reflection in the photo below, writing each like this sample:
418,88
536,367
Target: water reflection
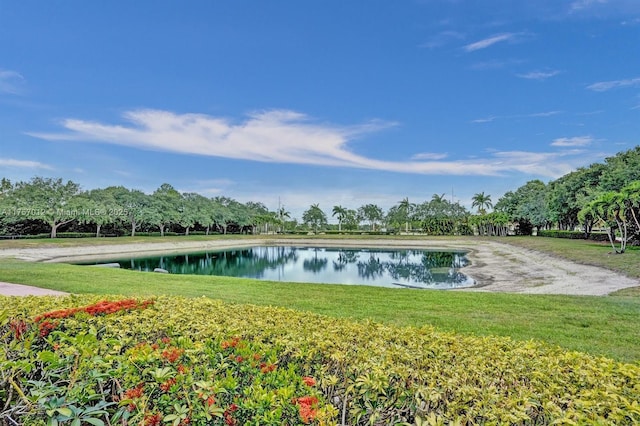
388,268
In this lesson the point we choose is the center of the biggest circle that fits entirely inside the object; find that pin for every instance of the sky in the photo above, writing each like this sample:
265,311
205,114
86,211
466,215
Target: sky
334,102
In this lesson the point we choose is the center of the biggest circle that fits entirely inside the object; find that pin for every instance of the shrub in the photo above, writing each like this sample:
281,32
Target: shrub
213,363
574,235
155,234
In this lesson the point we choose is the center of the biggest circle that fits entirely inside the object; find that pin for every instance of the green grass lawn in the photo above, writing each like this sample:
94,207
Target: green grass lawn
598,325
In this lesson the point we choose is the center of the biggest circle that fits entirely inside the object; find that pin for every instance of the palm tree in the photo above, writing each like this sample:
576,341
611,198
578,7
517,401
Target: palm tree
482,202
438,198
631,196
406,208
282,213
342,213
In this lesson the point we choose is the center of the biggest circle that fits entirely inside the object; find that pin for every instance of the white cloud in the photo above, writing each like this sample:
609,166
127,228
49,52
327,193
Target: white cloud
281,136
544,114
26,164
11,82
442,39
631,22
579,5
533,115
608,85
484,120
539,75
490,41
574,141
429,156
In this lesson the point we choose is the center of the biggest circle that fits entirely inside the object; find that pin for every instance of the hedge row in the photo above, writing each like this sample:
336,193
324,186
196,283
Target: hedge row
344,232
574,235
202,362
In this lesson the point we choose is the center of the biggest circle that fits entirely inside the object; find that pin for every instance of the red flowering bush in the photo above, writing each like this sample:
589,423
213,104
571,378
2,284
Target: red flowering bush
149,377
308,408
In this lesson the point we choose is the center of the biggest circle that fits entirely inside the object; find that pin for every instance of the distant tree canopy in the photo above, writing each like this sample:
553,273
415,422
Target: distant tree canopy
602,196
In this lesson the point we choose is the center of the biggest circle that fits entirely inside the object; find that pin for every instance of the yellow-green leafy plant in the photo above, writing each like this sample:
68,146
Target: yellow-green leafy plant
200,360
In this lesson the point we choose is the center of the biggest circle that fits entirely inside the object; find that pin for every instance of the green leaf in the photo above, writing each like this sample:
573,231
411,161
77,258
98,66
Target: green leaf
96,422
65,412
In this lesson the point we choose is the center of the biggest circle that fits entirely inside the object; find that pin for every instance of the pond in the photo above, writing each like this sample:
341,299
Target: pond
377,267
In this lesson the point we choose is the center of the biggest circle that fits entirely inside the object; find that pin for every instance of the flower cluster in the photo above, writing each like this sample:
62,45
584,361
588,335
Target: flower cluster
105,307
308,406
172,354
101,308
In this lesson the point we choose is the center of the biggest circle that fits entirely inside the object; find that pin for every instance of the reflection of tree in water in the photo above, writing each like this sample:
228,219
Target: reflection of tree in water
345,257
251,262
412,272
433,266
436,259
315,265
372,268
386,267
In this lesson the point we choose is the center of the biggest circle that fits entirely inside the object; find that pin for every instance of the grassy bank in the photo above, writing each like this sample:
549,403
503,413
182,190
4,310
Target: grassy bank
597,325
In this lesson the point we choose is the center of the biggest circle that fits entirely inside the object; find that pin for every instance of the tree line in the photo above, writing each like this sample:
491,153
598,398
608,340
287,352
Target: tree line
602,195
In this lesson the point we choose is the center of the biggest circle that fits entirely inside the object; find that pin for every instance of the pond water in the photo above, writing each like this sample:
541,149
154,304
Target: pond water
377,267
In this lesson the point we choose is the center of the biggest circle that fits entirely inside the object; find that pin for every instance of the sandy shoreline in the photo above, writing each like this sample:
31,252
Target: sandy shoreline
496,267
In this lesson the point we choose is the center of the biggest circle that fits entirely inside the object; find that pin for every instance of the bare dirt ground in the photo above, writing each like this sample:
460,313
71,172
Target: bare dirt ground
495,267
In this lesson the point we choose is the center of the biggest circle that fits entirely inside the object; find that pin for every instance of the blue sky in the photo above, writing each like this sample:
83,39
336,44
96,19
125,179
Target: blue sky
330,102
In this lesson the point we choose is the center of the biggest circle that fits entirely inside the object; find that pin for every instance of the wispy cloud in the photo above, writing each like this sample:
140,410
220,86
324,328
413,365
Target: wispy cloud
544,114
442,38
484,120
574,141
579,5
281,136
532,115
490,41
430,156
603,86
539,75
26,164
11,82
635,21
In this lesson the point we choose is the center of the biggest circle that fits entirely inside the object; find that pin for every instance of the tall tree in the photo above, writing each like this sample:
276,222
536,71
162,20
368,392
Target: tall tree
314,217
6,187
482,202
259,215
131,206
223,213
631,196
283,214
341,212
193,208
165,205
50,200
609,208
372,213
99,209
527,206
405,208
